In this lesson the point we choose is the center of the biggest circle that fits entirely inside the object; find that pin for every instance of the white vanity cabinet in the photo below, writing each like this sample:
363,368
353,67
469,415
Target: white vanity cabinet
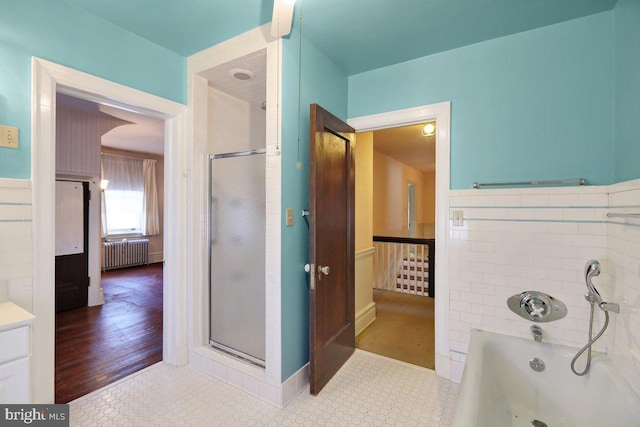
15,352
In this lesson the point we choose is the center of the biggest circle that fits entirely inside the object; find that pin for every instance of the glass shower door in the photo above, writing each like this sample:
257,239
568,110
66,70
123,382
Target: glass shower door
237,254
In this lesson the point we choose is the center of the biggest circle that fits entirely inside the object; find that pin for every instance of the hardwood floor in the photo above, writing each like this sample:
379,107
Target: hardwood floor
96,346
403,329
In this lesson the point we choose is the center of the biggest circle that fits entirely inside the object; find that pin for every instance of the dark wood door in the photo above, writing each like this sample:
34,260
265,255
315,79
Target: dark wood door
72,271
331,253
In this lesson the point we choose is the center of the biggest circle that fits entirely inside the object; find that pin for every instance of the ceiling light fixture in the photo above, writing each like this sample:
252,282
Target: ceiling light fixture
429,129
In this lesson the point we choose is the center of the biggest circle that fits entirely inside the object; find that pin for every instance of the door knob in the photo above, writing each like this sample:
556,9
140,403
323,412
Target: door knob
324,269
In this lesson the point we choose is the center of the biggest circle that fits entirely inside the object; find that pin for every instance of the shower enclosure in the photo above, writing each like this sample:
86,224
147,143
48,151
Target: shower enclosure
237,254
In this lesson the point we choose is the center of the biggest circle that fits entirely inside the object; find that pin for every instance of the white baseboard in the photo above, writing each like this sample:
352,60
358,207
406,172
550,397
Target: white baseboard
156,257
99,300
443,367
249,378
294,385
365,317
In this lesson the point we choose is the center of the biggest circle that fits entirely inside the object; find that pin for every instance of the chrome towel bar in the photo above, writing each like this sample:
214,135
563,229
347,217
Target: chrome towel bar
624,215
580,181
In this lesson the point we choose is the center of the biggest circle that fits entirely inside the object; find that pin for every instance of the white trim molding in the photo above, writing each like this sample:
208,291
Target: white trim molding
441,114
198,65
365,317
365,306
156,257
47,79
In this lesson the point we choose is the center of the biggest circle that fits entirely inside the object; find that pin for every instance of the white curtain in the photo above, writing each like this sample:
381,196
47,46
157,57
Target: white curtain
150,220
123,173
103,205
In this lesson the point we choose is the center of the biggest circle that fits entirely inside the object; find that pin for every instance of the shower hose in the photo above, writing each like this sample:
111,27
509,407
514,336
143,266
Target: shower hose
590,343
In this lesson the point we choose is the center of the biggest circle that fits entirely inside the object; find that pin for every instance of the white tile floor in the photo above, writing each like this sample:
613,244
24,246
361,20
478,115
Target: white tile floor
368,391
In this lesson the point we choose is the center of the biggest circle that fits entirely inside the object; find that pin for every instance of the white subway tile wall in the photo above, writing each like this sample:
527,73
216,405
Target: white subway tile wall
16,241
273,274
514,240
539,239
624,266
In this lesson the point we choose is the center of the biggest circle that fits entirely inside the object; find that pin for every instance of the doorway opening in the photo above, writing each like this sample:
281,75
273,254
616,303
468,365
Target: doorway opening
109,244
403,169
48,79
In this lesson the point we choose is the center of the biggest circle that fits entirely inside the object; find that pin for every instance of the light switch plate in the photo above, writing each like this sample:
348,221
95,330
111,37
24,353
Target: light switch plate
458,218
8,137
289,218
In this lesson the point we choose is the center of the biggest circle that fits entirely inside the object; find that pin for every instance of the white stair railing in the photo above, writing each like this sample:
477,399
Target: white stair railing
404,265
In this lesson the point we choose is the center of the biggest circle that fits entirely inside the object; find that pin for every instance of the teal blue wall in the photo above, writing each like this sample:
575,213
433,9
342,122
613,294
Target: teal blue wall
532,106
63,34
626,150
325,84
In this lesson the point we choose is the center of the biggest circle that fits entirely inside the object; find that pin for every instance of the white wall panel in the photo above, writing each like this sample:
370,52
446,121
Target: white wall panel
16,242
78,137
624,265
234,124
69,218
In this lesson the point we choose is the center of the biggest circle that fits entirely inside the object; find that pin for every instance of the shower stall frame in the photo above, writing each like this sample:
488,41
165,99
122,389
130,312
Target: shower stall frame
266,383
217,344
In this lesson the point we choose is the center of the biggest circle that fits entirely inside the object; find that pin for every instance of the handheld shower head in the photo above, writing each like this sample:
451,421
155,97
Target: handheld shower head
590,270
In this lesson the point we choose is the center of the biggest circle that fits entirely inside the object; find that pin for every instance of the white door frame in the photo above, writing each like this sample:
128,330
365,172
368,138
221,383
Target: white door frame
47,79
441,114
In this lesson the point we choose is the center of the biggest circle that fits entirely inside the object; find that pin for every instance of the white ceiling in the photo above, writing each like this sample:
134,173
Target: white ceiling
142,134
407,145
253,91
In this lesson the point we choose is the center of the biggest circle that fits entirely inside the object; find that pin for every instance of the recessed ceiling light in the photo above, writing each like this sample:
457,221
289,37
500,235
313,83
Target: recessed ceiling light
242,74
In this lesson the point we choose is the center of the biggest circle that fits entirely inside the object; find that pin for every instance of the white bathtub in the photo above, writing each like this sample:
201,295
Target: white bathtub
499,388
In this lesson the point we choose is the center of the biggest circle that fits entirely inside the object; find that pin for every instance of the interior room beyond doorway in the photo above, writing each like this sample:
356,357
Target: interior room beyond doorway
118,156
395,215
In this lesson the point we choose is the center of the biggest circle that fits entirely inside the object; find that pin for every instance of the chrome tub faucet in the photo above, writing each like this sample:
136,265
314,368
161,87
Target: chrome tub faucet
536,331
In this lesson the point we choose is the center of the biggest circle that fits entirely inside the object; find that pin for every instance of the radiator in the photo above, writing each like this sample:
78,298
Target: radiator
125,253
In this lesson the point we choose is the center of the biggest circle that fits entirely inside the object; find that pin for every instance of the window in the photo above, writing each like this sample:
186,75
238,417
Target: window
123,201
124,211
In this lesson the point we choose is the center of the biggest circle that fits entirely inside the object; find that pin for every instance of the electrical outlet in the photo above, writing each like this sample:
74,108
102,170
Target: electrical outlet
289,219
8,137
458,218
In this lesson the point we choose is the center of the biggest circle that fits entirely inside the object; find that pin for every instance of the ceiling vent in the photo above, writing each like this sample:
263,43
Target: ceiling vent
242,74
